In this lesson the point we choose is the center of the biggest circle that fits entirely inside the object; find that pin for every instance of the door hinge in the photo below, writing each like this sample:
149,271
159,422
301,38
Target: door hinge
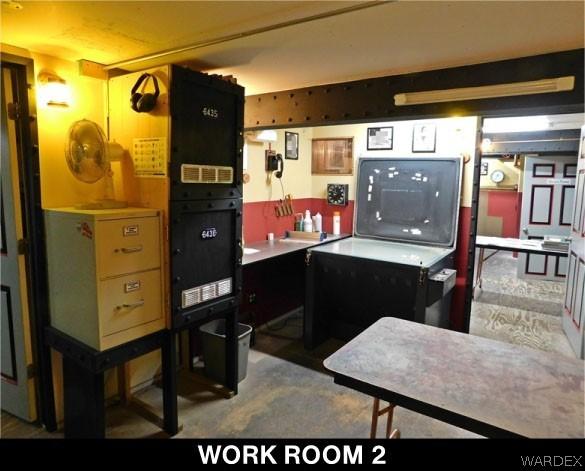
31,371
13,111
22,246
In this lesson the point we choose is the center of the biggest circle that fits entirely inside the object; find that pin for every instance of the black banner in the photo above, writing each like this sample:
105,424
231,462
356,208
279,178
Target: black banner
397,454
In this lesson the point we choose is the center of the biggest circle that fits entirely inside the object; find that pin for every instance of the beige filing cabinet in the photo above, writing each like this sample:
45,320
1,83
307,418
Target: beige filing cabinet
105,280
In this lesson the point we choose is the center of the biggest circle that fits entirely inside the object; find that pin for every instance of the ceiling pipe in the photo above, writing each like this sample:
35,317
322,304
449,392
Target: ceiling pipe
245,34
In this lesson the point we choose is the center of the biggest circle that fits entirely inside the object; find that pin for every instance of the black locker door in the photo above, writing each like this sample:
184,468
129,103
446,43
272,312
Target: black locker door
206,257
207,116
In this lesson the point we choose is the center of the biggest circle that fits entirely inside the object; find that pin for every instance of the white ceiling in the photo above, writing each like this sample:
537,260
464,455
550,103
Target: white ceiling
396,37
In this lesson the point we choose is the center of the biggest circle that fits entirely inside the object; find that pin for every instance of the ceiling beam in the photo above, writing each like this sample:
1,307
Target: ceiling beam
372,100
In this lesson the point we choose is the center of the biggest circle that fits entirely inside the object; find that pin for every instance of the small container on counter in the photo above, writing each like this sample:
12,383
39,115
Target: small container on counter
299,222
336,223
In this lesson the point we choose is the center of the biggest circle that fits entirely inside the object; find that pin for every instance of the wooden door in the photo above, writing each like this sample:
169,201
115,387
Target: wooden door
547,205
18,391
574,305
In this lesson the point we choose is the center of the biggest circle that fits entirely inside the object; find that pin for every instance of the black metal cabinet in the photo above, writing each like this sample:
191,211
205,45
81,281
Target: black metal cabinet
206,258
399,262
207,116
347,294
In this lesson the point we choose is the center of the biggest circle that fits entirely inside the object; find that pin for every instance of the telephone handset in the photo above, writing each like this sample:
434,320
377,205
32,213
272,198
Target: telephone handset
280,166
274,163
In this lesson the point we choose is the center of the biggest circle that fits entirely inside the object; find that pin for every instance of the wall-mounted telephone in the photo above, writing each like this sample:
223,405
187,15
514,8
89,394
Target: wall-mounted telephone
274,163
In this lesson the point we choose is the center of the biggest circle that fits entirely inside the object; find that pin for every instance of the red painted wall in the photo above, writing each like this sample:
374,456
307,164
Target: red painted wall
505,205
260,217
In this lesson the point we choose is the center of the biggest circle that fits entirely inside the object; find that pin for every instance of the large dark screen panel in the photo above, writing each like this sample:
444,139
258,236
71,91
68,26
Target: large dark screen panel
408,199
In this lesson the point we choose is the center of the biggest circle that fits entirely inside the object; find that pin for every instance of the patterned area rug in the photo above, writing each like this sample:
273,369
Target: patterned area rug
518,311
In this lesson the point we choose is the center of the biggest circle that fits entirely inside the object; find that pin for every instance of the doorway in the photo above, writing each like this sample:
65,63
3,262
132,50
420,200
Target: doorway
527,189
26,369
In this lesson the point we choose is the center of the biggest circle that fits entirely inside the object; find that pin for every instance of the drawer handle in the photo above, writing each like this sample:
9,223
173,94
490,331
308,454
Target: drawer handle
131,305
138,248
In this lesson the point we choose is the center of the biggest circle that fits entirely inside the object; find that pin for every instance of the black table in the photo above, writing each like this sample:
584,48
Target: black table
83,379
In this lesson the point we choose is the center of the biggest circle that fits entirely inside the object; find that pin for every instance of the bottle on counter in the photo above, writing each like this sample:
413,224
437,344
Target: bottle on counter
317,223
308,222
299,222
336,223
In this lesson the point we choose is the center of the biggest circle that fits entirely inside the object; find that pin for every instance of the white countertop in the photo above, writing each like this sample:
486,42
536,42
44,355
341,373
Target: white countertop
268,249
387,251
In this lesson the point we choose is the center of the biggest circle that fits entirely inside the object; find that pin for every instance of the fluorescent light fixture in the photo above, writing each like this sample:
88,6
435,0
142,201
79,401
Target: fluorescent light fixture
559,84
486,145
516,124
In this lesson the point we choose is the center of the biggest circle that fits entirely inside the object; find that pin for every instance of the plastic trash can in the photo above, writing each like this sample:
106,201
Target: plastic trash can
213,344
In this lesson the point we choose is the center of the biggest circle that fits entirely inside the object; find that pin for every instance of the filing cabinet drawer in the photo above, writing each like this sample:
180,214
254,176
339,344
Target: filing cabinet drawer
127,246
129,301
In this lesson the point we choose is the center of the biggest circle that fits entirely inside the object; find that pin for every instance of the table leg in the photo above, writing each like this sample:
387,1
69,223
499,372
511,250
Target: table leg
478,274
84,401
231,351
169,370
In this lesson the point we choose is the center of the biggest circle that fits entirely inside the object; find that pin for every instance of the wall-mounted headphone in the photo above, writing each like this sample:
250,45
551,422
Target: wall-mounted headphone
144,102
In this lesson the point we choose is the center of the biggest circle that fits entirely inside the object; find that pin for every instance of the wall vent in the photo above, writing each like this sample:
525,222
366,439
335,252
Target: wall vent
207,292
206,174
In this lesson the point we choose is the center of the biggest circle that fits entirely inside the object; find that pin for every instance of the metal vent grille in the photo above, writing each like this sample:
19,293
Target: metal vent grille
207,292
206,174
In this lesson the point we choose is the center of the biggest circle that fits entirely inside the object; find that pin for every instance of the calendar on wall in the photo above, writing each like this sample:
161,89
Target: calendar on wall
149,155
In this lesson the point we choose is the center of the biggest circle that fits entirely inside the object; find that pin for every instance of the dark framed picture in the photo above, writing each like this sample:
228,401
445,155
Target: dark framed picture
380,138
424,137
484,169
291,150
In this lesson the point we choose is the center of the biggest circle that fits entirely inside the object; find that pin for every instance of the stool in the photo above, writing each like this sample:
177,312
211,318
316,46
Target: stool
376,412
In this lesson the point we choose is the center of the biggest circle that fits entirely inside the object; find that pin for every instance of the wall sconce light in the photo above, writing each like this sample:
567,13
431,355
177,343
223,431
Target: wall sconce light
267,135
53,90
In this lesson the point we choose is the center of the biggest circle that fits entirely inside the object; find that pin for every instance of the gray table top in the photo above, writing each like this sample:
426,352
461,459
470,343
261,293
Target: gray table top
509,244
387,251
518,389
259,251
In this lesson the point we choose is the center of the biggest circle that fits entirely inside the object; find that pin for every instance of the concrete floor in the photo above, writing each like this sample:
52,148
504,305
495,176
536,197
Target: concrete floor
287,394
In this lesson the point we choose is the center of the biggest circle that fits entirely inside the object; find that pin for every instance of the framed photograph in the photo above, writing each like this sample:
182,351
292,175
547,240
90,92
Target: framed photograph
380,138
291,140
424,137
332,156
484,168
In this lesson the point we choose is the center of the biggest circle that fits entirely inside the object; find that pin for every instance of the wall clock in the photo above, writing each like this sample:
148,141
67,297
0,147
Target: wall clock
337,194
497,176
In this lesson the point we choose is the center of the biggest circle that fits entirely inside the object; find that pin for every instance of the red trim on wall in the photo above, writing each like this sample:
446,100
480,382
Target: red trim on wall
505,205
260,218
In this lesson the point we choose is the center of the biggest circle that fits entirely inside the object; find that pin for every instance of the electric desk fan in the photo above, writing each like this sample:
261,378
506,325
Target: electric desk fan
89,156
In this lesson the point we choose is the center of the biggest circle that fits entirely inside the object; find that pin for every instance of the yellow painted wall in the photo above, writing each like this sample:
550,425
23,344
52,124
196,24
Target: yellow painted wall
296,178
58,185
